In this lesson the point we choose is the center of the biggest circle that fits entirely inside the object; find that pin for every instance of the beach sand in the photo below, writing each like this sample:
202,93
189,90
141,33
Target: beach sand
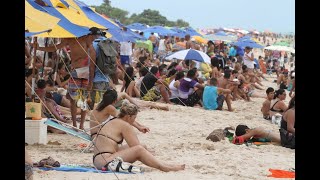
179,136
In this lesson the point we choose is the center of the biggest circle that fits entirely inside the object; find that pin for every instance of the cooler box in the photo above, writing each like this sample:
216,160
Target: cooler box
36,131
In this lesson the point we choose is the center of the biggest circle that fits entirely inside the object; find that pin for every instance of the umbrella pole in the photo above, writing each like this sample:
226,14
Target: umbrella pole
44,58
34,68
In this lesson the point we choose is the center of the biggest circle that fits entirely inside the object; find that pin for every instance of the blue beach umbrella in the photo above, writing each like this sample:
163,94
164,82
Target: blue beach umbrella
190,54
160,30
137,26
248,43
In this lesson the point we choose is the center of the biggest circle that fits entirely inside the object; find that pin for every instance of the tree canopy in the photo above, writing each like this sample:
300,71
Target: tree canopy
148,16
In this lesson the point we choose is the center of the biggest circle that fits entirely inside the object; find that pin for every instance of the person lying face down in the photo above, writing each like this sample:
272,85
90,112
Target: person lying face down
244,133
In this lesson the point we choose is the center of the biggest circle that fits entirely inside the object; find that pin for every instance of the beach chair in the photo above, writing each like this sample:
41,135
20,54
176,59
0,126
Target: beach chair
69,129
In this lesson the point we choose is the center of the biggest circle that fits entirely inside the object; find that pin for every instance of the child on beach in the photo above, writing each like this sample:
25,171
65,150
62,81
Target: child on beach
214,96
265,109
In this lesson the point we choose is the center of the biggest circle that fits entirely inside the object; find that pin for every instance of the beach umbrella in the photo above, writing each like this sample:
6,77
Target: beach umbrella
247,42
137,26
200,39
191,31
282,43
69,13
162,31
214,37
190,54
221,33
280,48
179,32
63,29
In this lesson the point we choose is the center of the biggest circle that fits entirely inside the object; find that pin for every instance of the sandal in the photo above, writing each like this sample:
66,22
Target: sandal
118,165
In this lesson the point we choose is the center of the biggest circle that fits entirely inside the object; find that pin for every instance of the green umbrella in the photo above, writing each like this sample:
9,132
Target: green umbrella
144,44
282,43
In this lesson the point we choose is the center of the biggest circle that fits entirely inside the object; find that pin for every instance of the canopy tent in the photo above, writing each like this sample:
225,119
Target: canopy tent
64,28
280,48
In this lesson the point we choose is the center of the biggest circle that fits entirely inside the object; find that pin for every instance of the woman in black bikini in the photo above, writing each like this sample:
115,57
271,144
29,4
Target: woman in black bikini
112,133
277,105
288,118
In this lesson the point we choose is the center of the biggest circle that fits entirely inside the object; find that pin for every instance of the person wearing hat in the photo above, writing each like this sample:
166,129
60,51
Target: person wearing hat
82,70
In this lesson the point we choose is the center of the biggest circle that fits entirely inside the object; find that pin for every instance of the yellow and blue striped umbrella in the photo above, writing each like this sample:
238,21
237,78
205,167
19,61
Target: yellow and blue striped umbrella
67,11
61,29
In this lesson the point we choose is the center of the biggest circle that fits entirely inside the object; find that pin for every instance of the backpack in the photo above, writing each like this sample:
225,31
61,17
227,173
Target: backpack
106,60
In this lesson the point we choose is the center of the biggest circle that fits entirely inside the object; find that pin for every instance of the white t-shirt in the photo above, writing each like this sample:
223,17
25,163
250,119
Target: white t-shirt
162,46
125,48
247,61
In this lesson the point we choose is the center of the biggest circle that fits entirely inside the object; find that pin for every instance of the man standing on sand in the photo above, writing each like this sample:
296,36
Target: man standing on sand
82,70
248,59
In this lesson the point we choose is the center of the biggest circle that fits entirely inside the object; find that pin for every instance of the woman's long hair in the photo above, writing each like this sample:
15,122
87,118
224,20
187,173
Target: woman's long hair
278,92
292,103
129,74
108,98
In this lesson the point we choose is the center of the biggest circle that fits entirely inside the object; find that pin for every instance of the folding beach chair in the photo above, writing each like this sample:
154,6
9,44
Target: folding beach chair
82,134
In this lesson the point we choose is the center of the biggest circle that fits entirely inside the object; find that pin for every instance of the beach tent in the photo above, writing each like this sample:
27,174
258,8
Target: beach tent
63,29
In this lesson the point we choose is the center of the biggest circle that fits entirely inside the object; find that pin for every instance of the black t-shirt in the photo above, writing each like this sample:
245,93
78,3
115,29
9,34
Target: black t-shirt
148,82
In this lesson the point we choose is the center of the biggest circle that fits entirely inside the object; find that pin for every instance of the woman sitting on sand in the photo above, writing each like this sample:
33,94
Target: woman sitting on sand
106,108
288,119
244,133
277,105
111,134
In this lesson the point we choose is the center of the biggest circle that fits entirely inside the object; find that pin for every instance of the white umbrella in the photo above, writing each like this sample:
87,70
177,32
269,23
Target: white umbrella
280,48
190,54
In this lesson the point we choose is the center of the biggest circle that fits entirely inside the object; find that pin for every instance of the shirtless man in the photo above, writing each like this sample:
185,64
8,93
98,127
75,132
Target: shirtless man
82,70
265,109
225,83
189,43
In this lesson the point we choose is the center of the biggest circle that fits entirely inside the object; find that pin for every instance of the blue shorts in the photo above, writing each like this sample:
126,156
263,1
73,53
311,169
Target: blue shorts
124,59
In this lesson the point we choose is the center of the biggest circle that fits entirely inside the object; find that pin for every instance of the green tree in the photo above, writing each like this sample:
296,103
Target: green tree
182,23
107,2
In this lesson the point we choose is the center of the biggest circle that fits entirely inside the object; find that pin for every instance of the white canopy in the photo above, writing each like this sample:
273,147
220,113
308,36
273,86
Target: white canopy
280,48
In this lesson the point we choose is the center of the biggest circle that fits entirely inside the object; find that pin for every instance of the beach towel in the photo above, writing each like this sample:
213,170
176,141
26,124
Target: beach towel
78,168
277,173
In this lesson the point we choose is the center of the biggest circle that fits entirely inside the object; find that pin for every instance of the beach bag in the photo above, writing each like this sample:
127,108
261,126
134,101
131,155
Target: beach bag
33,110
151,95
287,139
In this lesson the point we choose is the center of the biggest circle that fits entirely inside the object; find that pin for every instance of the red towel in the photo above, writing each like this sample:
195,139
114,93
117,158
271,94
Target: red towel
277,173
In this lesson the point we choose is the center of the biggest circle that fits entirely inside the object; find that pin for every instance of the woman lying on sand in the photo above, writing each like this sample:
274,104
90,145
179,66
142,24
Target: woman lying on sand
244,133
111,134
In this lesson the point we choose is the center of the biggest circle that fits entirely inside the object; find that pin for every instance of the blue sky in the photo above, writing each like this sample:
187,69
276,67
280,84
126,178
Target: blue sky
274,15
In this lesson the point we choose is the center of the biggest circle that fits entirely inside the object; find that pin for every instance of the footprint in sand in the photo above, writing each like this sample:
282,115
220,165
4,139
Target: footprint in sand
197,166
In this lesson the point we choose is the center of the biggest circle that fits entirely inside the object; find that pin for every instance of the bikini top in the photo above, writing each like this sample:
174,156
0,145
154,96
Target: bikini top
118,142
272,109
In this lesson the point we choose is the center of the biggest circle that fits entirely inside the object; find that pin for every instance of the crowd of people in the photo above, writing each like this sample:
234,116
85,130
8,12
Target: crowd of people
69,80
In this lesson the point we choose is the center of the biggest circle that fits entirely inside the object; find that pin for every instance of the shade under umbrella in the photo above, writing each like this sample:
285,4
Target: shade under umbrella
190,54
